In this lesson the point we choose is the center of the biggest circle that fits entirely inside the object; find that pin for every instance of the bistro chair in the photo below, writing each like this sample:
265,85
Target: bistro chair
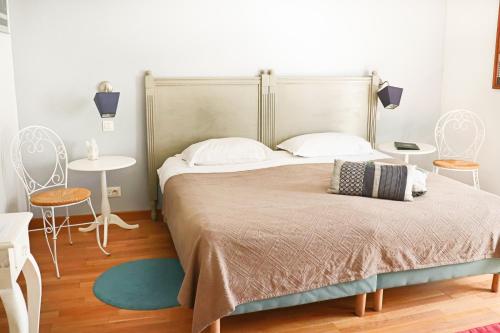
36,149
467,128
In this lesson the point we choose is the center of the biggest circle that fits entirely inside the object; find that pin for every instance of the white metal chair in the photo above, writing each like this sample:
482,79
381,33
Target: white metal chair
50,191
454,156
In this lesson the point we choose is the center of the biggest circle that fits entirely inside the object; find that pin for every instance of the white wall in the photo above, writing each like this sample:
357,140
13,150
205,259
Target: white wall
64,48
468,73
8,127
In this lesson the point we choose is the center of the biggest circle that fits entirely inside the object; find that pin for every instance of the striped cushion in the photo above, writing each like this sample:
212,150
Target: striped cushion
373,179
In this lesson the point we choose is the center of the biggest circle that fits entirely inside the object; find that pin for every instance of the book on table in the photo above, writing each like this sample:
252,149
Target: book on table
406,146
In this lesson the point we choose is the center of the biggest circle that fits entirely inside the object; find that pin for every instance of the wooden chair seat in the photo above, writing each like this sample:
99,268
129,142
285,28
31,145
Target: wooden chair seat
456,164
60,196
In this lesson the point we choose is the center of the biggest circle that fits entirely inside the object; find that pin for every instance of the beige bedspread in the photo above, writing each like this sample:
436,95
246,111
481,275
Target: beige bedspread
252,235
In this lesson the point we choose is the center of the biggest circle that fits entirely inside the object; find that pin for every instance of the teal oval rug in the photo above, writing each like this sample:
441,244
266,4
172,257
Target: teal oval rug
147,284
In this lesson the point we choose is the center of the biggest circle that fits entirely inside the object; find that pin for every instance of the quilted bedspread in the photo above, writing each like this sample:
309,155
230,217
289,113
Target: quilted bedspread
252,235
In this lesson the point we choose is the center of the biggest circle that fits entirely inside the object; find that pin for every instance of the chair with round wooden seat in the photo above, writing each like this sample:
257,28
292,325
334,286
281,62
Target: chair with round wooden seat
40,160
459,136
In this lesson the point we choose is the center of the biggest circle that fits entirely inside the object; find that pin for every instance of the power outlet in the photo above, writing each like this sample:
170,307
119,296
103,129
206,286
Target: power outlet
114,191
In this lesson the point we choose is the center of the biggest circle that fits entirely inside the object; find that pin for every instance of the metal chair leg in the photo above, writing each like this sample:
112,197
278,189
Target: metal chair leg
69,226
54,240
98,237
49,227
48,219
475,175
435,169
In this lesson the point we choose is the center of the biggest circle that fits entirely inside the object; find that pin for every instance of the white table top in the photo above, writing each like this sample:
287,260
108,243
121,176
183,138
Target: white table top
388,147
10,225
104,163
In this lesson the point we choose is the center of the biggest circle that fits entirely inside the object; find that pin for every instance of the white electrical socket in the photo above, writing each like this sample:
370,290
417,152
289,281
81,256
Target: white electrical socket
114,191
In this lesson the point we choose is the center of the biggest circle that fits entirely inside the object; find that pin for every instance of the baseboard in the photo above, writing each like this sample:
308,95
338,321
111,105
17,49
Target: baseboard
37,223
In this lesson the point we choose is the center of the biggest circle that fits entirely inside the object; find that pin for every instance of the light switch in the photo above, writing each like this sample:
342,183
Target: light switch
108,125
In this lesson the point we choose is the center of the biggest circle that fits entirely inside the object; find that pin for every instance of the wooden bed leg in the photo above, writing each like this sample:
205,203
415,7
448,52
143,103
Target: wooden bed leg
214,327
378,299
359,310
494,283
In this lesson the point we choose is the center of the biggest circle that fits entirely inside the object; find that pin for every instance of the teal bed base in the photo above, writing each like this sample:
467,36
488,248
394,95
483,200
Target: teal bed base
371,284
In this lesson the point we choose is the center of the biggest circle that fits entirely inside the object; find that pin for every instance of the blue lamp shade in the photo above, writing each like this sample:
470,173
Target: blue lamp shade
390,96
107,103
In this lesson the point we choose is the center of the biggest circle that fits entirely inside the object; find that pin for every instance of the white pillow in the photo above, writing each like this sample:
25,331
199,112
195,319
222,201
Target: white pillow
326,144
225,151
420,181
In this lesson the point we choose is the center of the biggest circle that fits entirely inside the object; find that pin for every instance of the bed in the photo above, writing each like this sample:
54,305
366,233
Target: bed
242,253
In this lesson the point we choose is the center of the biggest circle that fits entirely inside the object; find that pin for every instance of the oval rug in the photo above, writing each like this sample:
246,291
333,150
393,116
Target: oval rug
147,284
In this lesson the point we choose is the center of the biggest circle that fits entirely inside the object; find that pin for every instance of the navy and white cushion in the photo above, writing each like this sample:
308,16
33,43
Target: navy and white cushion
373,179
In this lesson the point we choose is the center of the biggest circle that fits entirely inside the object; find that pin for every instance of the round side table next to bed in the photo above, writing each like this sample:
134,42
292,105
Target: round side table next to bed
388,147
103,164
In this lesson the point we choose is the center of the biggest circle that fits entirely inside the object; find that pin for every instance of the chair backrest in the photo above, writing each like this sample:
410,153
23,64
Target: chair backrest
459,135
39,157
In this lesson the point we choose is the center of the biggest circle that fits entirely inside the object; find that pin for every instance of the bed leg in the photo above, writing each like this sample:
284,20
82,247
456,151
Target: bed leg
214,327
494,283
359,310
378,299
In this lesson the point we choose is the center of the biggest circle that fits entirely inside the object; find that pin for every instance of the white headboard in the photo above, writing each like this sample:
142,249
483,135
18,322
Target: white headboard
269,108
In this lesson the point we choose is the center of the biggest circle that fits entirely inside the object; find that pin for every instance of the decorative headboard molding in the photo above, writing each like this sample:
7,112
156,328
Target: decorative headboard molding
268,108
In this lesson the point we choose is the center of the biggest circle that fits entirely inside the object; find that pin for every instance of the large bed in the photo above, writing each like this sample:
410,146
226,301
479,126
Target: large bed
267,236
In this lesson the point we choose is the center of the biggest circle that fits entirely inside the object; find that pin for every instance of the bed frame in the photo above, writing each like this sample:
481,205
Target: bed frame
270,108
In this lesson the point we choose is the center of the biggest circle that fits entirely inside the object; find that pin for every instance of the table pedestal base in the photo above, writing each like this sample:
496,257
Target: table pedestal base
107,220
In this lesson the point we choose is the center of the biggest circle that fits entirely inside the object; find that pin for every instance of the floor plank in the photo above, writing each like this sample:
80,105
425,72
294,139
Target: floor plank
68,304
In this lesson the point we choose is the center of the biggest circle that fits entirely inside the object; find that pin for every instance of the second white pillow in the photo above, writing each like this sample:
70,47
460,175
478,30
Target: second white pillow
326,144
225,151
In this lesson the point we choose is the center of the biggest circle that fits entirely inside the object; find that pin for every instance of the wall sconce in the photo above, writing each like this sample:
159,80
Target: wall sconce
107,102
389,96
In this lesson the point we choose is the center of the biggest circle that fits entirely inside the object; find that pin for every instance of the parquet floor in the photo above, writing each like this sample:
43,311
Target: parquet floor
69,305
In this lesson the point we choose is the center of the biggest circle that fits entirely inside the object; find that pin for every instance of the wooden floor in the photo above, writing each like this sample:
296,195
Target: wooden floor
68,304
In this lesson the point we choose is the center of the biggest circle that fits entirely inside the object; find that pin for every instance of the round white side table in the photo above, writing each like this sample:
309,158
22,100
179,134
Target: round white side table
388,147
103,164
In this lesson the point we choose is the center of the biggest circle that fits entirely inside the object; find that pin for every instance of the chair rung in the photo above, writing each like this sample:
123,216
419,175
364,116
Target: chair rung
64,226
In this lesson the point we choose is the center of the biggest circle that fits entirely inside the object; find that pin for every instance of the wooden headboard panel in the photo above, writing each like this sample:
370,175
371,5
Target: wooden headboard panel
269,108
308,105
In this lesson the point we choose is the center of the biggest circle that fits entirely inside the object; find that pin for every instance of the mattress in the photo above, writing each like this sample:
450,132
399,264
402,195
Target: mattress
176,166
